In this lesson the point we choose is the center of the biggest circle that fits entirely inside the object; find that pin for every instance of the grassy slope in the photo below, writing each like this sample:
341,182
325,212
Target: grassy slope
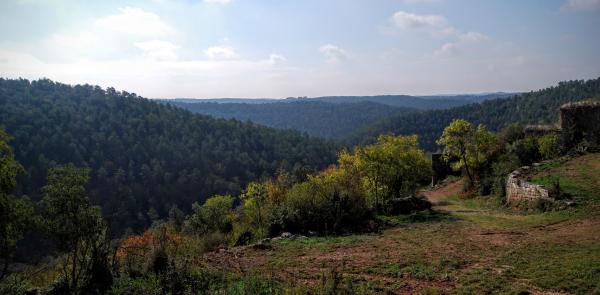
464,246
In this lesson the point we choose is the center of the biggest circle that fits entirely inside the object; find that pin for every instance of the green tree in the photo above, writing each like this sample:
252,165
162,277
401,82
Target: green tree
470,146
75,225
549,146
15,213
176,217
255,206
213,216
329,202
393,166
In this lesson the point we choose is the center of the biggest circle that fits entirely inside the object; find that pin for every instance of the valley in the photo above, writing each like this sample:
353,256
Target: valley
315,147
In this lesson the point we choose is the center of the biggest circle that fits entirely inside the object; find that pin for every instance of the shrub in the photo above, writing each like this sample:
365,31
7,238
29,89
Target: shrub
149,285
511,133
327,203
500,170
214,215
549,146
392,168
526,150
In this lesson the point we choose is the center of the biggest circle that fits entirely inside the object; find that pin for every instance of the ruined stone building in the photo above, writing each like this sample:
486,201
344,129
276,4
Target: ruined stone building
580,121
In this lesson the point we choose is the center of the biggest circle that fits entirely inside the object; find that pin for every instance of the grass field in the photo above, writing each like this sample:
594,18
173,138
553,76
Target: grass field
463,246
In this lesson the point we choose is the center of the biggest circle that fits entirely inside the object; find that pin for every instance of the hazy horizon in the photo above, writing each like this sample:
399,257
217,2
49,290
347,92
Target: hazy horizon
272,49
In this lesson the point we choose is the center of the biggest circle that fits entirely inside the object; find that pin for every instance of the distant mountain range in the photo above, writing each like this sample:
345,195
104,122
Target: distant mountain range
411,101
328,116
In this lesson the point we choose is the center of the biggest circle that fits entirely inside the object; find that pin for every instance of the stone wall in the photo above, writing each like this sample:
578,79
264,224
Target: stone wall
522,193
580,121
540,130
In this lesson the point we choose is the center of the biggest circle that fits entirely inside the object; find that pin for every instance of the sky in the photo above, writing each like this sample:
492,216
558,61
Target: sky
284,48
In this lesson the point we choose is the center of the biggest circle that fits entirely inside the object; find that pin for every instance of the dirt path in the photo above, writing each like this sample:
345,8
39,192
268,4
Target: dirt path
438,195
411,259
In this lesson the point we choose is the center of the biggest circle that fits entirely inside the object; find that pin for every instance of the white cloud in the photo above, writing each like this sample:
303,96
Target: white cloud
158,49
405,20
112,36
221,52
582,5
333,54
453,48
77,41
473,37
218,1
276,59
436,25
157,77
135,21
447,49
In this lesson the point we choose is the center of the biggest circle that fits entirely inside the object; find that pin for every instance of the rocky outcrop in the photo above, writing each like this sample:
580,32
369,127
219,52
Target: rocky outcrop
522,193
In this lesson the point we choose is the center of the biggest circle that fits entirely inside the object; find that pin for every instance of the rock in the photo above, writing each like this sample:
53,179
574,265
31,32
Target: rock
286,235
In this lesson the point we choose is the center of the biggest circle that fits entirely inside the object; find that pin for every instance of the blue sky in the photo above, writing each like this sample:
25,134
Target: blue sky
281,48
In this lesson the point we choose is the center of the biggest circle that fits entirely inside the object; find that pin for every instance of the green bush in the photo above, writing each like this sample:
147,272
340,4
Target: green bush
549,146
527,150
150,285
505,164
215,215
327,203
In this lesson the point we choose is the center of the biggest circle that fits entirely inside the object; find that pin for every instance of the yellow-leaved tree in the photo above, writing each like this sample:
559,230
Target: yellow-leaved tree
393,167
466,147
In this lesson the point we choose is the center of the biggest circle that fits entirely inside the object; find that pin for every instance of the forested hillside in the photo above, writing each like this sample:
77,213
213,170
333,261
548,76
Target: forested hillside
534,107
433,102
328,116
313,117
144,156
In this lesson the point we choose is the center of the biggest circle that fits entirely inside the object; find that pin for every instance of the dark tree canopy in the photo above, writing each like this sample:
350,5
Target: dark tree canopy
143,154
540,106
316,118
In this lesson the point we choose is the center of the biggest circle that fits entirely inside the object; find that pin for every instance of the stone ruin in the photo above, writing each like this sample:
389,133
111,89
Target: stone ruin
522,193
540,130
580,121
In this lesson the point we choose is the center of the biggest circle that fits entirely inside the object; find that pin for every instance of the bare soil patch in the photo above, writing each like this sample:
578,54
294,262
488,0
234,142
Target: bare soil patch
438,195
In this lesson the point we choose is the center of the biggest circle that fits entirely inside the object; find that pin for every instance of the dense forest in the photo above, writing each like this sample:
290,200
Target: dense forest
528,108
313,117
406,101
142,162
432,102
144,157
328,116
